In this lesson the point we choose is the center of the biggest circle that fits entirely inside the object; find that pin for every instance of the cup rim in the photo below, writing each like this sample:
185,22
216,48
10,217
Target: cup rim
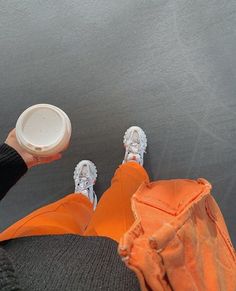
28,144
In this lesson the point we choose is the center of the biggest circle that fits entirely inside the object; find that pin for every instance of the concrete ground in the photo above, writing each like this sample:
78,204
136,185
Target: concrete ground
167,66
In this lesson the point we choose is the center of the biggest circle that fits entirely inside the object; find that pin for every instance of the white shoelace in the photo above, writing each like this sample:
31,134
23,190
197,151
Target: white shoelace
83,184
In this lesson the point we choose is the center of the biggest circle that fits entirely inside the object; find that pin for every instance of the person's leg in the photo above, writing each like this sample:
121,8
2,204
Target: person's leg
70,214
113,215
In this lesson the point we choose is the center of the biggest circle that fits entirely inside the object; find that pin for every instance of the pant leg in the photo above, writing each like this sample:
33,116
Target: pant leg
70,214
113,215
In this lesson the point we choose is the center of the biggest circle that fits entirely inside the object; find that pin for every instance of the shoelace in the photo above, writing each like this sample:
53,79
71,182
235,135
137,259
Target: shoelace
134,147
83,184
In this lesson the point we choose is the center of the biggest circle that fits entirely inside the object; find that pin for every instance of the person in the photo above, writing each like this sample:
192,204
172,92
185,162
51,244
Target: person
169,233
71,244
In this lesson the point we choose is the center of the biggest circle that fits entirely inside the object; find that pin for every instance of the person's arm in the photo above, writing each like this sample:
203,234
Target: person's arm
12,168
15,161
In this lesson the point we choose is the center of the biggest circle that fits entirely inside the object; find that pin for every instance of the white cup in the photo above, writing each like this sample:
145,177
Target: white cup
43,130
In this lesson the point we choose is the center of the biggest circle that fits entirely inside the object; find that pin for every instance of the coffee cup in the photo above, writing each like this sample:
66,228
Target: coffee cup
43,130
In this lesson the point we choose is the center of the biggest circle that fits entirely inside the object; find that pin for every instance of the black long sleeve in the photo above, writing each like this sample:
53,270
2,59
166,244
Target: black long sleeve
12,168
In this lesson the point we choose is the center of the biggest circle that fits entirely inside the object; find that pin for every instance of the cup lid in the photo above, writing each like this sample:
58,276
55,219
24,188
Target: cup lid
41,127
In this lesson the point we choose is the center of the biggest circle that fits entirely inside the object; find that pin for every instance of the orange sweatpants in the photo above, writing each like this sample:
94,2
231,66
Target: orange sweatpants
74,213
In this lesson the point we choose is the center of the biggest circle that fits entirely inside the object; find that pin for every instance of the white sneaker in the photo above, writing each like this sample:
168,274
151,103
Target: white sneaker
135,142
85,176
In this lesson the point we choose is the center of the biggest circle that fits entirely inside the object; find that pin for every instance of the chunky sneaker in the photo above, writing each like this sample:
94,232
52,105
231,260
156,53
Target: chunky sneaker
85,176
135,142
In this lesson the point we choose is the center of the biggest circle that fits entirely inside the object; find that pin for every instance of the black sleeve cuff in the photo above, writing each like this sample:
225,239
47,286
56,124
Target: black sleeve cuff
12,168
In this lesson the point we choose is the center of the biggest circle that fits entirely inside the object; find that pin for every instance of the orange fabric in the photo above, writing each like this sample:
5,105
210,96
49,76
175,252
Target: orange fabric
70,214
73,213
113,216
179,240
171,233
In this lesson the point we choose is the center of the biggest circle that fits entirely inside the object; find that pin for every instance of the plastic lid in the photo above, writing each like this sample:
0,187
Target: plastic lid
41,127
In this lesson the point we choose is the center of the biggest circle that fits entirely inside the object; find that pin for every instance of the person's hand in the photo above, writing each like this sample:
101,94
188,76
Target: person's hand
29,159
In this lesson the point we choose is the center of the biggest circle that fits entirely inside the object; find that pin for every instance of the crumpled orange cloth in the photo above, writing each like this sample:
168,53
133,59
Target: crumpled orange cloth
179,240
